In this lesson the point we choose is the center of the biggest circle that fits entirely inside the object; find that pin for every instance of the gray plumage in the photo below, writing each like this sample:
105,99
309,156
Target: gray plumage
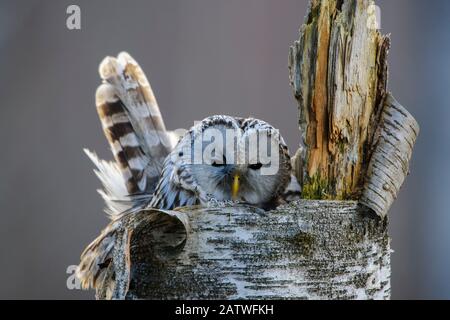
185,183
154,168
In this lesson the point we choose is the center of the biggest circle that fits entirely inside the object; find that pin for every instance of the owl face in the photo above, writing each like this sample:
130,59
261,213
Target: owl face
229,158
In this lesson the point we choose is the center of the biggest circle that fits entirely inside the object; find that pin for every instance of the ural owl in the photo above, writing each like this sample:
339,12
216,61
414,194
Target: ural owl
155,168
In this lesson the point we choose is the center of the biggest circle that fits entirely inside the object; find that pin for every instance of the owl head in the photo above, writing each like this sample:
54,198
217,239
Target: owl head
227,158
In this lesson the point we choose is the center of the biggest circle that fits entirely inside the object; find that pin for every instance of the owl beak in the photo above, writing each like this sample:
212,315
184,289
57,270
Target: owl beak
235,187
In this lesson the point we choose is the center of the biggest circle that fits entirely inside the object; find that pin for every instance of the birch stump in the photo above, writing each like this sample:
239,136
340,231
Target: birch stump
357,143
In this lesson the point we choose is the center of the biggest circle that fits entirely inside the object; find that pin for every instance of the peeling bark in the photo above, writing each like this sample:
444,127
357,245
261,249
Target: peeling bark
304,250
389,163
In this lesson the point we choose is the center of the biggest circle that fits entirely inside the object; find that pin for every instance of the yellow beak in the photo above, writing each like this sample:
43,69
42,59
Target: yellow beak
235,187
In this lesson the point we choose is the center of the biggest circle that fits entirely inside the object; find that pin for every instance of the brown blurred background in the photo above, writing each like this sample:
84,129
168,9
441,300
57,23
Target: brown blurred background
202,57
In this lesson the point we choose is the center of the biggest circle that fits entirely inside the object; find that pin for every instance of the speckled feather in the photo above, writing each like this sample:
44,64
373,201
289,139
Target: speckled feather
151,170
179,186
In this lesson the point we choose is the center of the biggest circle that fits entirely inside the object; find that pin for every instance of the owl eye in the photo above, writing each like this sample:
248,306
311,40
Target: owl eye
256,166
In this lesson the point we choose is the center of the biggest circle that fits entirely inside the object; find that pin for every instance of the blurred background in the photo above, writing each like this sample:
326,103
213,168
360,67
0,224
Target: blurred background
202,57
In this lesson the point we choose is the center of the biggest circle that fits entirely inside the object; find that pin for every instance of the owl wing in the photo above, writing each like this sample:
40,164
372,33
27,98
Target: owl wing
293,190
176,187
135,130
97,257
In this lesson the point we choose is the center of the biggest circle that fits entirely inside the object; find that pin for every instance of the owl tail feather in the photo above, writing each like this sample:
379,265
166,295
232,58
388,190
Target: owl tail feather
115,194
135,130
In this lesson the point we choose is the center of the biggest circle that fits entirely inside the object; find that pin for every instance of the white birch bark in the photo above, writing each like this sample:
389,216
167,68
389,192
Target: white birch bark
304,250
389,164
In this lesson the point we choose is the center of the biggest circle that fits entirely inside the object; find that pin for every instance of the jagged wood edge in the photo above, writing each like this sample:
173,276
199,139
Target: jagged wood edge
338,72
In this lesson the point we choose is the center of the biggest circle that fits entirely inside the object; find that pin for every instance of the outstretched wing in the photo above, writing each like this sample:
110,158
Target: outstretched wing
135,130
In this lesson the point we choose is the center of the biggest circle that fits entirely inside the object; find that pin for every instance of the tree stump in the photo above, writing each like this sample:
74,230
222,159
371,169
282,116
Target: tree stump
357,143
304,250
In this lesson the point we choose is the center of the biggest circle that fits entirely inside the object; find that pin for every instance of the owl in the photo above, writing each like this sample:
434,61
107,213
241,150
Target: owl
221,158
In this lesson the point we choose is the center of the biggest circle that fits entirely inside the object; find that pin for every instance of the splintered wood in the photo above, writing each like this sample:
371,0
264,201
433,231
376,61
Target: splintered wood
338,71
